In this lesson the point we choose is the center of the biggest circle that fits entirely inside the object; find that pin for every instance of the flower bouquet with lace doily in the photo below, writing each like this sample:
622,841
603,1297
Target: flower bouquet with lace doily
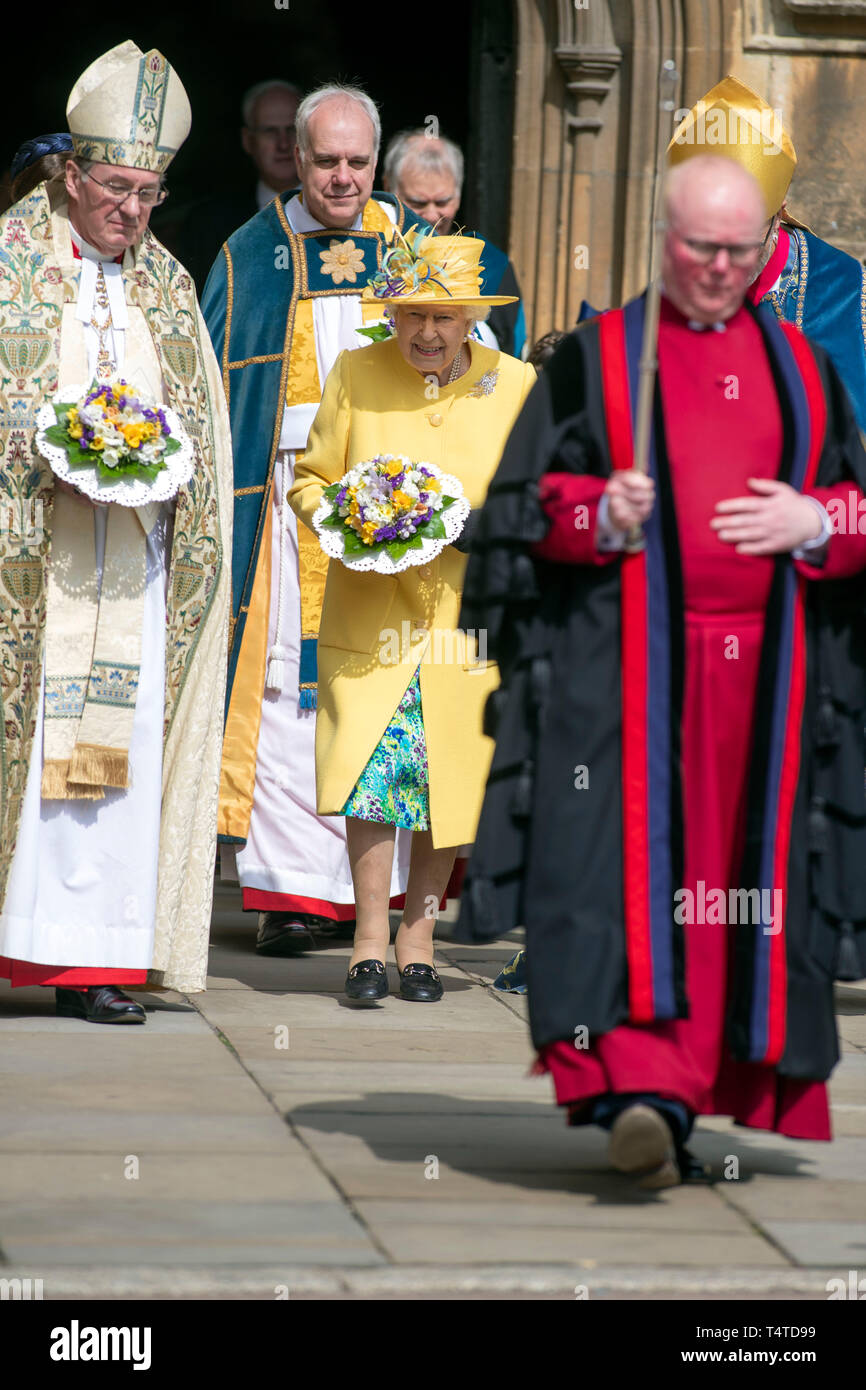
114,444
388,514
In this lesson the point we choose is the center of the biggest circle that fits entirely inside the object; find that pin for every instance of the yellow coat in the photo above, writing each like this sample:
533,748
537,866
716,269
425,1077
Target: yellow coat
376,628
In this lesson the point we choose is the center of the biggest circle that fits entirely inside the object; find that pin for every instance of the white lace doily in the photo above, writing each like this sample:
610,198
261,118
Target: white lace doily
126,491
454,517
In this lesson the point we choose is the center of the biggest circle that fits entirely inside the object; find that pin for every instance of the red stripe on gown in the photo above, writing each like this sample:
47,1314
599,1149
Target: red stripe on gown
25,972
772,270
714,444
258,899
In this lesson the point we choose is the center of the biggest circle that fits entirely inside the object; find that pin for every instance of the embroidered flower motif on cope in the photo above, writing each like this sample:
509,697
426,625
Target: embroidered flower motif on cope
342,261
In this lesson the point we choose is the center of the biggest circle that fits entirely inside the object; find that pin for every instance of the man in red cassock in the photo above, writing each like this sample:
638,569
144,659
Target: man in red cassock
675,809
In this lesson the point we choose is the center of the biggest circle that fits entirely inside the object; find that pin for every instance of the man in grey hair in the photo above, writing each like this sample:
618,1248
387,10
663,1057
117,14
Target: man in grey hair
268,136
282,301
426,173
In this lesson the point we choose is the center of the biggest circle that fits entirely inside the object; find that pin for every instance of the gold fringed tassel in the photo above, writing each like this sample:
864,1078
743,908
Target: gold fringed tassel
54,778
56,785
79,792
92,764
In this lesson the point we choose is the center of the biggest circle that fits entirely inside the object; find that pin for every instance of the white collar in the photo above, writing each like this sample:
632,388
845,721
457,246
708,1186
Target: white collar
85,250
113,274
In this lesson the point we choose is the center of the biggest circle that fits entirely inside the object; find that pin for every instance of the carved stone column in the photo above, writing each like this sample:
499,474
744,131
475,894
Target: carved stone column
587,125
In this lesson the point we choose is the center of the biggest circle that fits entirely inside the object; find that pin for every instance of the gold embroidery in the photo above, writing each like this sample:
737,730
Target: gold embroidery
251,361
249,491
303,383
230,300
802,276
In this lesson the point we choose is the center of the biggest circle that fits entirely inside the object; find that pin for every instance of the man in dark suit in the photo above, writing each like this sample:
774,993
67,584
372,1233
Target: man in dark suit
426,173
268,136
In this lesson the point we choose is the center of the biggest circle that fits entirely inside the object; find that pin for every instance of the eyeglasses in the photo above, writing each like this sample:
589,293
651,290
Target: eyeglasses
119,192
740,253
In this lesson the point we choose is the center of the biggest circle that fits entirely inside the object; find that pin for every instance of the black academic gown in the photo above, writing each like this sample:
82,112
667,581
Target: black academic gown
551,860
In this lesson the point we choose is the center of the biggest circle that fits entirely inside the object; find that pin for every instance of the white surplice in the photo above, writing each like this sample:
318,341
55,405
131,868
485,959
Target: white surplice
82,886
290,849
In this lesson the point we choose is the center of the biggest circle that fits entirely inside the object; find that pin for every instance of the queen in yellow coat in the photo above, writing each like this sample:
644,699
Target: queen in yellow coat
401,692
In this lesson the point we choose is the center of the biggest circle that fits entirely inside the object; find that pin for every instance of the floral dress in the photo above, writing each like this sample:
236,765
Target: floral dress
393,788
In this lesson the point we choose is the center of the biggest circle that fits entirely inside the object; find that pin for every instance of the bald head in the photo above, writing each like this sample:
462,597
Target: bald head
714,186
716,220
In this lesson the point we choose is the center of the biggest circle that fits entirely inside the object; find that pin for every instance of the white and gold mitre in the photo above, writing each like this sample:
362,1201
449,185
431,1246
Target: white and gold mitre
129,108
733,121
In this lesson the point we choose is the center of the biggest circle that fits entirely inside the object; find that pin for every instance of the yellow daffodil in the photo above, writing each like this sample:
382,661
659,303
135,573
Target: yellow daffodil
132,434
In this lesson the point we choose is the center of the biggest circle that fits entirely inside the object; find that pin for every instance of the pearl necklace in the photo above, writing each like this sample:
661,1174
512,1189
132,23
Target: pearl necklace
455,368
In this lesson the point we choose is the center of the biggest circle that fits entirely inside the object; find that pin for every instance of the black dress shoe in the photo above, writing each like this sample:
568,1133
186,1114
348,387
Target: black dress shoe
367,982
420,983
99,1004
291,934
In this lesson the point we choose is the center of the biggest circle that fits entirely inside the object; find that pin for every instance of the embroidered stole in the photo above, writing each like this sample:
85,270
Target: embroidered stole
37,278
303,386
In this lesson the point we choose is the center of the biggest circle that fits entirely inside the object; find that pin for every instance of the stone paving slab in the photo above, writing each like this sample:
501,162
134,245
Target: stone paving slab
618,1207
780,1199
488,1085
467,1009
373,1045
261,1165
842,1243
285,1174
442,1243
188,1232
113,1129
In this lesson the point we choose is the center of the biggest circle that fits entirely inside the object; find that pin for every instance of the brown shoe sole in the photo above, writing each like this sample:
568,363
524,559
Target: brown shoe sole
642,1146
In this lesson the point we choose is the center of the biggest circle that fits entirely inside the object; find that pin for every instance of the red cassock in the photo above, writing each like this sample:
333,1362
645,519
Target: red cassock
25,972
723,426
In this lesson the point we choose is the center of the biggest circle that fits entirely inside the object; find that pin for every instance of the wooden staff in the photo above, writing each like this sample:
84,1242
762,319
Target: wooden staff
648,365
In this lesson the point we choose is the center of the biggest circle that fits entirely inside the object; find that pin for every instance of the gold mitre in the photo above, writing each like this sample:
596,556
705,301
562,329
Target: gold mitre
129,108
733,121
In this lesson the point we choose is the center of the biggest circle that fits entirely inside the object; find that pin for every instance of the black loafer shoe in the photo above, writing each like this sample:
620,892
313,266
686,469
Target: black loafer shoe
420,983
99,1004
285,934
367,982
